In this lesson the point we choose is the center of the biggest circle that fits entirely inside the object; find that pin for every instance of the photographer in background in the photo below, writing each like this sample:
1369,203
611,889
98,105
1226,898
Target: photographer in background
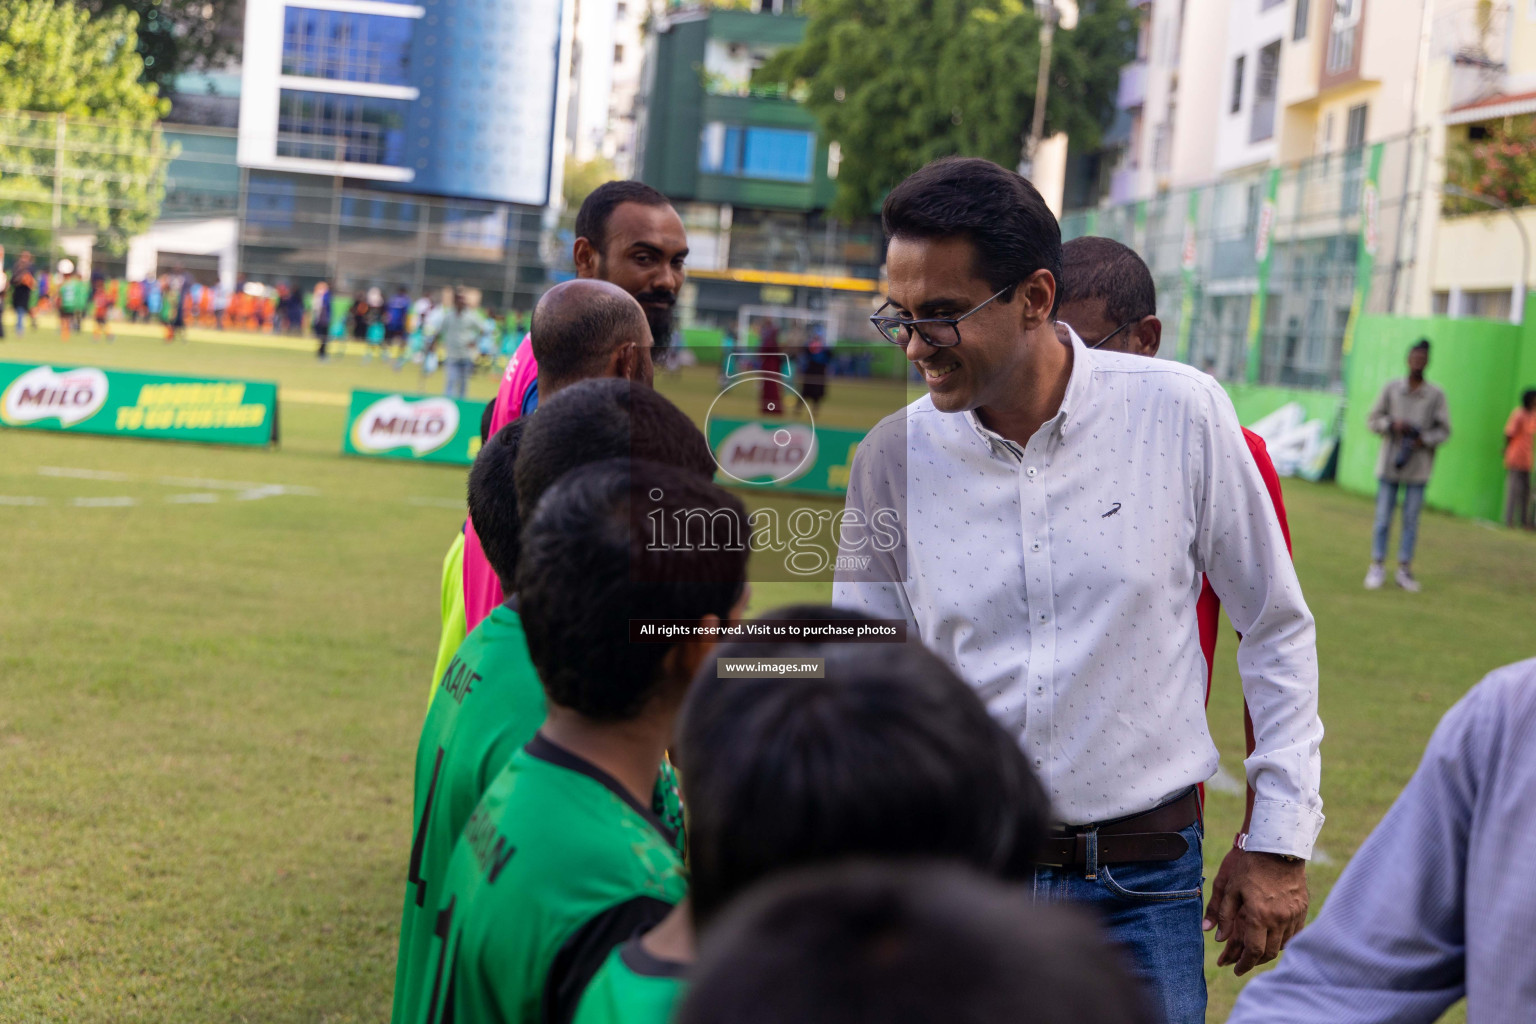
1414,420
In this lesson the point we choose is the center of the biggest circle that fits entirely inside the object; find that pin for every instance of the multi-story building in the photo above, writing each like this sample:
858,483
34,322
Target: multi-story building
748,168
606,63
401,143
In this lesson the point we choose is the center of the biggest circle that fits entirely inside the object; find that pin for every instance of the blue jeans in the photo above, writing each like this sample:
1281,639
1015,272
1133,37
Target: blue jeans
1386,501
1152,910
456,372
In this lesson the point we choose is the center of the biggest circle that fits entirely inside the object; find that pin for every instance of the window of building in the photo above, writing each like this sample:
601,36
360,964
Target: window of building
1237,83
346,47
1303,14
618,53
1354,133
1489,305
774,154
325,126
1266,78
1265,5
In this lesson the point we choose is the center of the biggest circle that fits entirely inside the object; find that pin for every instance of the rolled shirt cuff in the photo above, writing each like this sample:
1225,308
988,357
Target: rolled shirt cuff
1281,826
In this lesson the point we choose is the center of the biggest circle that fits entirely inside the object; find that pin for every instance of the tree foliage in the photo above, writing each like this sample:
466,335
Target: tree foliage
181,35
1501,166
581,179
76,123
898,83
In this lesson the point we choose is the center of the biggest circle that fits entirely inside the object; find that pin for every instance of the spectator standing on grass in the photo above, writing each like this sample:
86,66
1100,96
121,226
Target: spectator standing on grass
1518,461
459,335
396,310
1055,509
221,292
320,317
23,282
73,299
1413,419
1436,905
101,303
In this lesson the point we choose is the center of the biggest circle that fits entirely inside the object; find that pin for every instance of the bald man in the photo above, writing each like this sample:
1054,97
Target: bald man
581,330
589,328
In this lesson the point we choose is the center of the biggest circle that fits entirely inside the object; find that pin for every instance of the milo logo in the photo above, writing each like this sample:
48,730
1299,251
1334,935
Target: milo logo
423,425
69,396
759,453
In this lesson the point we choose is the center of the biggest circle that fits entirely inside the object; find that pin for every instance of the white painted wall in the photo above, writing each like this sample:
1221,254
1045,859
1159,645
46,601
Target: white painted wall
1249,30
217,236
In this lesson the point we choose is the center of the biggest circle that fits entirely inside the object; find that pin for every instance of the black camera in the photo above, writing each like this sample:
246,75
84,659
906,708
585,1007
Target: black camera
1405,446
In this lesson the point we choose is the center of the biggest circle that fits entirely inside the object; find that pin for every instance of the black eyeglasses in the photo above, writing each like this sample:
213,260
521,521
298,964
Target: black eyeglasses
1117,330
940,332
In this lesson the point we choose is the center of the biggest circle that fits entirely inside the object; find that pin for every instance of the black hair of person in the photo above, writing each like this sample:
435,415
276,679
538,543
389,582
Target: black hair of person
1093,267
1528,399
591,563
1422,345
905,944
592,218
486,416
606,418
889,755
574,337
493,500
997,210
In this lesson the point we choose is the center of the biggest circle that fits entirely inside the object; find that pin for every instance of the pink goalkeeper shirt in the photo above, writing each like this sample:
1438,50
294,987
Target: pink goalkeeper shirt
482,590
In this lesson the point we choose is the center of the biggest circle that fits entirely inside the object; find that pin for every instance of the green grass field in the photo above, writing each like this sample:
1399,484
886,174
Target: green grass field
210,695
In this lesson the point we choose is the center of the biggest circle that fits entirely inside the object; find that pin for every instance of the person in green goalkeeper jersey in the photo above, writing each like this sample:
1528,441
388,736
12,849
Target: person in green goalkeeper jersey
889,756
490,702
565,857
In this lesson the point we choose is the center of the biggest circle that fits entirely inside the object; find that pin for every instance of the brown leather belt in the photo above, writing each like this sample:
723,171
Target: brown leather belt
1150,836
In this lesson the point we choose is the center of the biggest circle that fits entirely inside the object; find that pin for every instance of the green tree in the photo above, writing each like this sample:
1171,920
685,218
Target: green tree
581,179
181,35
898,83
76,124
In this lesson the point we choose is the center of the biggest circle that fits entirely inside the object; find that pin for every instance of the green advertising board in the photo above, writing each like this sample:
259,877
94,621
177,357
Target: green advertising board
784,455
390,425
91,400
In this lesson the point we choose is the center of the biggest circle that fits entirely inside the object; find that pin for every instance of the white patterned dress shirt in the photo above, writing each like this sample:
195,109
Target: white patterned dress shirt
1060,580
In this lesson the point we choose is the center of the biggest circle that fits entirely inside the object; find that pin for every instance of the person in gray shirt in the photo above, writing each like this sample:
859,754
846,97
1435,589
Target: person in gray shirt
1436,905
459,334
1413,420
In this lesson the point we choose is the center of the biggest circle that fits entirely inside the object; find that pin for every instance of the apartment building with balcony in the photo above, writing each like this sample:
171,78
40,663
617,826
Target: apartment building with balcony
747,167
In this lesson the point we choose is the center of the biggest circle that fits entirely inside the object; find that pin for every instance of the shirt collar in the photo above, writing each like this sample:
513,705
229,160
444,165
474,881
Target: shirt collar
1077,389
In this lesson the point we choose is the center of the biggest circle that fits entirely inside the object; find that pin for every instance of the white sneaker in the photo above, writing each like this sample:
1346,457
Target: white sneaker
1406,581
1375,576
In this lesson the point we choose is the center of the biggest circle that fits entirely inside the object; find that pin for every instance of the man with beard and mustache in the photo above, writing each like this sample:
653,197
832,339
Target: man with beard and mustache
628,234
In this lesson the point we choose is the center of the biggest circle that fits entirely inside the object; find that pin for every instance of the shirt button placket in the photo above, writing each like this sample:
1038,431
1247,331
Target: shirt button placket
1038,724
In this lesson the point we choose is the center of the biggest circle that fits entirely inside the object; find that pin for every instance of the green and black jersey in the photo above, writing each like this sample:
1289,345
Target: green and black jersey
632,987
488,704
558,865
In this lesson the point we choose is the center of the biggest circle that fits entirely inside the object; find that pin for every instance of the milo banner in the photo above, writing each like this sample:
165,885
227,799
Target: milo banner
89,400
395,426
1365,261
1263,251
784,456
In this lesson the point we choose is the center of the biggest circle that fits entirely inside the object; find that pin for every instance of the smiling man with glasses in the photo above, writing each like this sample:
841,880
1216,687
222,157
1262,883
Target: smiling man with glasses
1059,505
